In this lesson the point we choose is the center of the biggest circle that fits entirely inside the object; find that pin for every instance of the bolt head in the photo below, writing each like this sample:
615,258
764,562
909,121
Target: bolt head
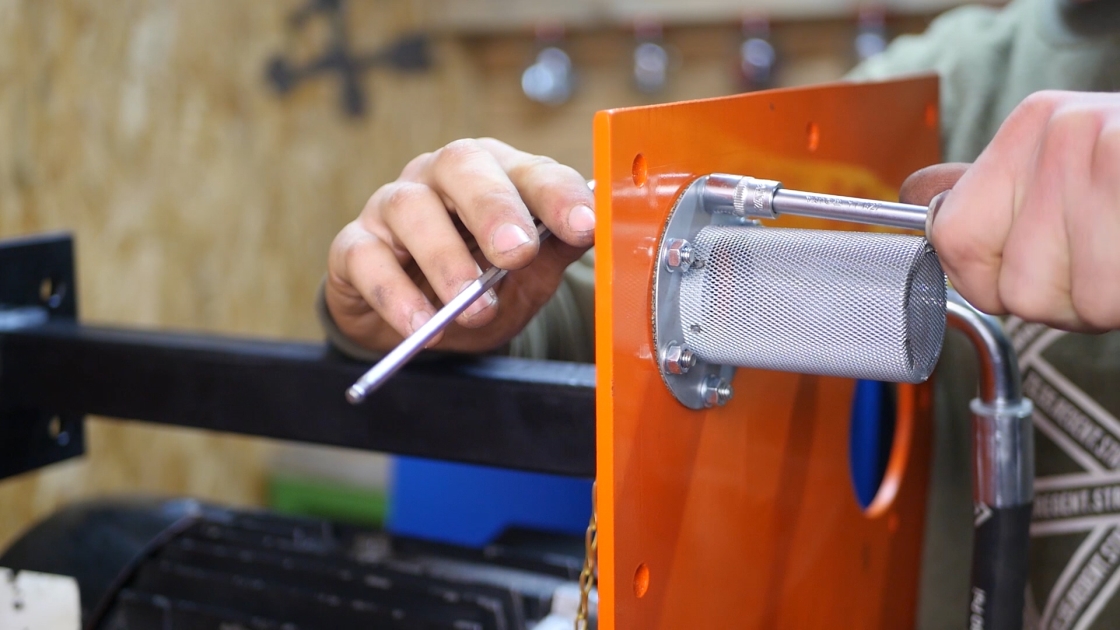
678,254
716,391
676,359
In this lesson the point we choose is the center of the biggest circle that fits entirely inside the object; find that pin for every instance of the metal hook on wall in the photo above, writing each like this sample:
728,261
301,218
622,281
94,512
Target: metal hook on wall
651,57
409,53
757,56
550,79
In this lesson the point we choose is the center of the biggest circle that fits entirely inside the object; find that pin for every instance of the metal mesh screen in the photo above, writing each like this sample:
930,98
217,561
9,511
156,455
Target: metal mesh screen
850,304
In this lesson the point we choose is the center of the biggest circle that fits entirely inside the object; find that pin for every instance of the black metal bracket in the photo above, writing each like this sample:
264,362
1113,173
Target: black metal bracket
408,54
36,287
497,411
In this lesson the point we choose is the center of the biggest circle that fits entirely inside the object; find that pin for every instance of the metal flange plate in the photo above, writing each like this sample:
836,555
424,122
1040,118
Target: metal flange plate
694,387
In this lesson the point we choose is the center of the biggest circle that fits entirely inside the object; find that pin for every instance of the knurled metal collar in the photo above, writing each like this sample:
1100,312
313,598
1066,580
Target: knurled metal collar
755,198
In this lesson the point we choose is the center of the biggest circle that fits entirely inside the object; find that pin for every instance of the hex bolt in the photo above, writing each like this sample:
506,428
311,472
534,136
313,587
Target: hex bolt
716,391
677,359
678,254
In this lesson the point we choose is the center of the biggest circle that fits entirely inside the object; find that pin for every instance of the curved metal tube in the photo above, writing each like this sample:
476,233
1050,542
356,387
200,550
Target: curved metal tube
999,367
1002,472
1003,438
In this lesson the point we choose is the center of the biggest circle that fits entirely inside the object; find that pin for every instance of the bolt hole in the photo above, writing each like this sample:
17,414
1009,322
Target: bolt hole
871,437
813,136
930,116
57,431
641,580
639,170
51,293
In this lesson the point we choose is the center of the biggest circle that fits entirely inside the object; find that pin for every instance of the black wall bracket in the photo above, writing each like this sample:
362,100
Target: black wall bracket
36,287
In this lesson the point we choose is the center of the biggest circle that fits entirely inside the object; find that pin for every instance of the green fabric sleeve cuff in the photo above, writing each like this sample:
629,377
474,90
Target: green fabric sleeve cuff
334,334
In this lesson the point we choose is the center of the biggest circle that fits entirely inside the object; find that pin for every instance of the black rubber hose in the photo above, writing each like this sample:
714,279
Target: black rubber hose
999,567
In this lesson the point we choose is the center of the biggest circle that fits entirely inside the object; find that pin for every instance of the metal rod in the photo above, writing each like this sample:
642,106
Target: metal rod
753,198
414,343
884,213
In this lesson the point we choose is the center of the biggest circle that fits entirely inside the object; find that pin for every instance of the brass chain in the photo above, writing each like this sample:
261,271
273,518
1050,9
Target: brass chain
590,566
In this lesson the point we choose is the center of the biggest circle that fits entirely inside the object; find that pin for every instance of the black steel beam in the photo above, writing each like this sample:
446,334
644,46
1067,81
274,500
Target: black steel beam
528,415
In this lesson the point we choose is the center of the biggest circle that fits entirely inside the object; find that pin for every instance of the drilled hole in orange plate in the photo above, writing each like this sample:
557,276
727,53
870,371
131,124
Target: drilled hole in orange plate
813,136
930,117
870,436
641,580
639,170
893,428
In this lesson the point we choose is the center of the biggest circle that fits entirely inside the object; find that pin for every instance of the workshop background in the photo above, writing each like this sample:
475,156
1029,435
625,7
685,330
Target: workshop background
202,198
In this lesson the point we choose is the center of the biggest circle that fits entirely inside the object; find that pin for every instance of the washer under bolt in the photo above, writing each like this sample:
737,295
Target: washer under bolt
716,391
678,255
677,359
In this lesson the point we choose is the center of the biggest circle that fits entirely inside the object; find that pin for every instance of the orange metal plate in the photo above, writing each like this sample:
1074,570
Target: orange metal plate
745,516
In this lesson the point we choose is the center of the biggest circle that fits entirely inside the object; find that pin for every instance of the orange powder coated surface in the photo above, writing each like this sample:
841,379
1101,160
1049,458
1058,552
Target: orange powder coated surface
745,516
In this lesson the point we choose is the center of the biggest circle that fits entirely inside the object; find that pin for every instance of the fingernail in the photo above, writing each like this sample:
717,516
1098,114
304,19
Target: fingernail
581,219
485,301
419,318
509,237
931,213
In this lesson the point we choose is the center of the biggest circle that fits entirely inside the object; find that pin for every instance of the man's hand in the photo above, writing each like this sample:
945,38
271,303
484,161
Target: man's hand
1032,228
422,238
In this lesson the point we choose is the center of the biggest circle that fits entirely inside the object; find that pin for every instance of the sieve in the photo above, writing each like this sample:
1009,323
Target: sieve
730,293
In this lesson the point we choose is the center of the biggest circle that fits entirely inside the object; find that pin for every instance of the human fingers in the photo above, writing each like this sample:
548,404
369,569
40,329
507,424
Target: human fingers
1092,218
420,224
364,274
974,219
555,193
1060,259
1036,279
924,184
472,184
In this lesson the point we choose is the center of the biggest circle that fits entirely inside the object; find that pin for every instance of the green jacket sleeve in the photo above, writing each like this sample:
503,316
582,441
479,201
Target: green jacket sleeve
989,60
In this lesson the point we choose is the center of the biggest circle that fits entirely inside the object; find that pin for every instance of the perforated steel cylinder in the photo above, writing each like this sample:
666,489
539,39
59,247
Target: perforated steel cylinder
851,304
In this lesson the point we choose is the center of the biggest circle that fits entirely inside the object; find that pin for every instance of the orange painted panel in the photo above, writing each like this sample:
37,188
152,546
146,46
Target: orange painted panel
745,516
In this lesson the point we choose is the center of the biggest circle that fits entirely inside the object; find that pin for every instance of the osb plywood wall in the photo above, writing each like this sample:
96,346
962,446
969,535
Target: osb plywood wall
200,200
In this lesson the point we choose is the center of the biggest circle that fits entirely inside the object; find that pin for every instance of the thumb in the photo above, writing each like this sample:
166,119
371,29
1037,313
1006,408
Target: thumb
924,184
